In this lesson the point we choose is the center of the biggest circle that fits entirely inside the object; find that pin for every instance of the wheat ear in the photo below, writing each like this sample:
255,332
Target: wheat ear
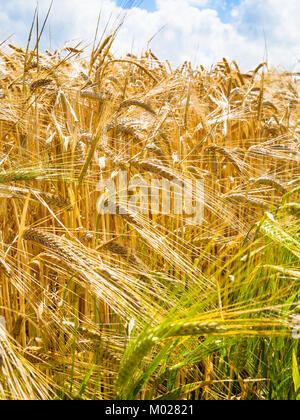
226,153
272,183
240,198
140,104
155,169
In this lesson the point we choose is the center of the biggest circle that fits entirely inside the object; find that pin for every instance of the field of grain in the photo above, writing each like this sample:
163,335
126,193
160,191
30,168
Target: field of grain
146,305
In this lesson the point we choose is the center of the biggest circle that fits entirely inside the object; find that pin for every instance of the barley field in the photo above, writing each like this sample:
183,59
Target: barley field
147,304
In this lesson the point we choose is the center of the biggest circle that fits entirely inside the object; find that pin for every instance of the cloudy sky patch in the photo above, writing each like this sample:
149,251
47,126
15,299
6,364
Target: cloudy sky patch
203,31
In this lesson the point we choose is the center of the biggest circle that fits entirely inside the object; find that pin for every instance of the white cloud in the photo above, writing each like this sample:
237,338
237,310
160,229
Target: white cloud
193,29
279,21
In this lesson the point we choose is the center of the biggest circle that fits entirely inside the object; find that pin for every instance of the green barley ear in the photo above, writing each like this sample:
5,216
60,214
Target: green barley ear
272,229
240,354
292,208
19,175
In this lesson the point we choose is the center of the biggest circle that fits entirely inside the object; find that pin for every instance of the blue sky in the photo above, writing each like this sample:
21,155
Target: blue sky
149,5
224,7
203,31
